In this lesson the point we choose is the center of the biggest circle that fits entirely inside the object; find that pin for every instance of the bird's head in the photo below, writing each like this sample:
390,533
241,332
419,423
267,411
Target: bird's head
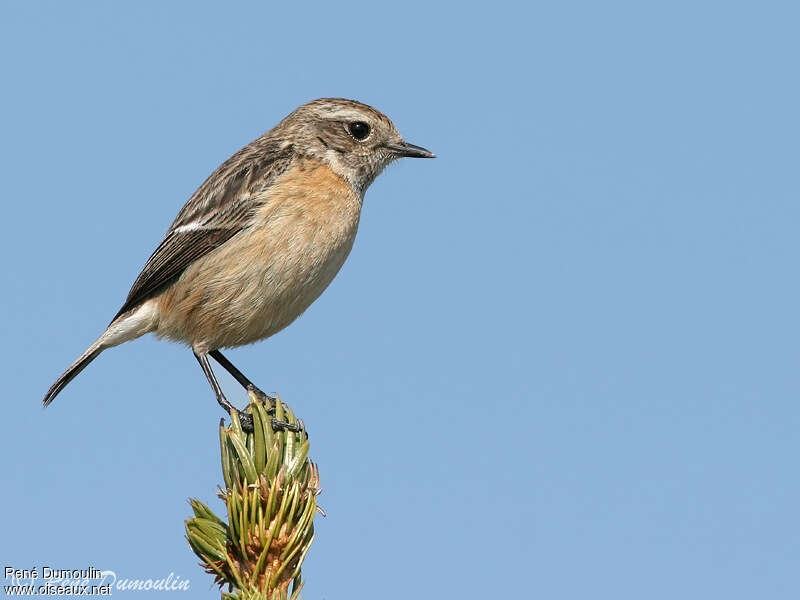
354,139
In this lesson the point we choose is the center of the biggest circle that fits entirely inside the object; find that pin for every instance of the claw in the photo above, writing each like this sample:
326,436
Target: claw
246,420
286,426
264,398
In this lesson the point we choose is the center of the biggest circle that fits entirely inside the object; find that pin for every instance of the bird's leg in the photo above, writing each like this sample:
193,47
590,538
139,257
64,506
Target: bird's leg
242,379
245,419
250,387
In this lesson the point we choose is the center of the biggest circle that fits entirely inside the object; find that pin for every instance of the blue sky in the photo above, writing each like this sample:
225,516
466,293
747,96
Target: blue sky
561,360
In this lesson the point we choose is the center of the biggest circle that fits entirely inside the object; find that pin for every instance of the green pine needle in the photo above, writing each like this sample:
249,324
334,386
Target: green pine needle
270,494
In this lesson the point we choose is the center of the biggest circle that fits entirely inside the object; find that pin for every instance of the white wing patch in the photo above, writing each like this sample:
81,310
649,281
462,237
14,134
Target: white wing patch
189,227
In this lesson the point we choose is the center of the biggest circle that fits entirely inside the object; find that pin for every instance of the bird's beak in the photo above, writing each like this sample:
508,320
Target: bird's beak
402,148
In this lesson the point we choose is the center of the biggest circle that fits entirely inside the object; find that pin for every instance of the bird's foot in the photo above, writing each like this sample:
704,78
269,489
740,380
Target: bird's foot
246,421
286,426
264,398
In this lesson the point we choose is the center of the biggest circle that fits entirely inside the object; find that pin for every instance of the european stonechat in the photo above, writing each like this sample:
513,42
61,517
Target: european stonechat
259,240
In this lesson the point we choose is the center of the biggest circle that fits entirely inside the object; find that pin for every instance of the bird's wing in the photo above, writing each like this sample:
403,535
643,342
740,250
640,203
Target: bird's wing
218,210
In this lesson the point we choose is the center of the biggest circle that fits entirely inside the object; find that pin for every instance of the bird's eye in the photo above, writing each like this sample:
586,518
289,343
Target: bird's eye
359,130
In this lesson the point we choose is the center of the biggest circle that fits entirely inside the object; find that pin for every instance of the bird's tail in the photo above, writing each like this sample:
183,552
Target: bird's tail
125,327
79,365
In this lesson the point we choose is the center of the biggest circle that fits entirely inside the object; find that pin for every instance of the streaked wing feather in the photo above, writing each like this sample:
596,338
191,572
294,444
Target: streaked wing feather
172,256
216,212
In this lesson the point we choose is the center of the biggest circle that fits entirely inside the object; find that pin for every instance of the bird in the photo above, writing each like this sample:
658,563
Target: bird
259,240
